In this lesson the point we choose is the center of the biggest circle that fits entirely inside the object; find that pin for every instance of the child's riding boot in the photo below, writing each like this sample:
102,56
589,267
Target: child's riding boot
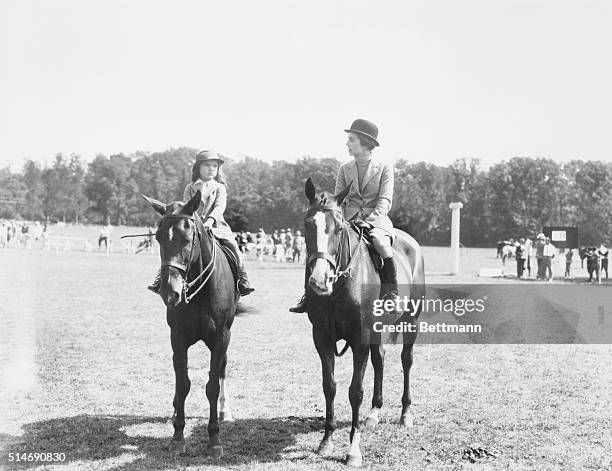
244,285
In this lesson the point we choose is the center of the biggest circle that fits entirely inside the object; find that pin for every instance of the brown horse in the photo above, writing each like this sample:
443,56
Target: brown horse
199,291
341,283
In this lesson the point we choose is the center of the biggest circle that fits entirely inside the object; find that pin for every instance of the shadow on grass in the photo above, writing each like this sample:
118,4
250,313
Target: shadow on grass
137,442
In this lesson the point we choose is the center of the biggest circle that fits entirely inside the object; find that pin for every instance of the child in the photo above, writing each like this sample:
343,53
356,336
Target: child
206,176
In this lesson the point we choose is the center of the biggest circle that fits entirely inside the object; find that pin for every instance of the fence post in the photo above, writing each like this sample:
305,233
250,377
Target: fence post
454,246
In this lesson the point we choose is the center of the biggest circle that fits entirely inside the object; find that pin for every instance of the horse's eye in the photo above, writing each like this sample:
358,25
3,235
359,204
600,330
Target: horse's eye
309,220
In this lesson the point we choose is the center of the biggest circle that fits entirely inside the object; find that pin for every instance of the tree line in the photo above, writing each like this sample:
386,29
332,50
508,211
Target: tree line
510,199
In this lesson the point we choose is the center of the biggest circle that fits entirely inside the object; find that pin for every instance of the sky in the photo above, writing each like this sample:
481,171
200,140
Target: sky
442,79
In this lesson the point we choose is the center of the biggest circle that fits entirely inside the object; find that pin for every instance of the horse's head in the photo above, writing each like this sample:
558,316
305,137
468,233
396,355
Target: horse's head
179,237
323,225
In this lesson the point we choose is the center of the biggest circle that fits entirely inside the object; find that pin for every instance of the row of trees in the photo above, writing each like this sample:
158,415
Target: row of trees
512,198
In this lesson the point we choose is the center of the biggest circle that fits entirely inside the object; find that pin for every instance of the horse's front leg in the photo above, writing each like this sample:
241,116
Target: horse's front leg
218,357
182,386
360,362
378,362
406,418
225,410
326,353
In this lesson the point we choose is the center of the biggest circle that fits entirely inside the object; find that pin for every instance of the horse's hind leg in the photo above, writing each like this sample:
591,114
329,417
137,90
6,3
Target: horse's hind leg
406,418
328,362
360,362
183,384
377,354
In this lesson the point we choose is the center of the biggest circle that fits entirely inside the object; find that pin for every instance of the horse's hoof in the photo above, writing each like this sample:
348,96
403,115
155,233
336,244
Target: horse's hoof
325,448
354,461
216,451
407,420
371,423
177,446
226,417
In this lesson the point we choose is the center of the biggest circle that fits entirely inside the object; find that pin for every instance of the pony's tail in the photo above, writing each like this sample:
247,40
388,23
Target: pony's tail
241,308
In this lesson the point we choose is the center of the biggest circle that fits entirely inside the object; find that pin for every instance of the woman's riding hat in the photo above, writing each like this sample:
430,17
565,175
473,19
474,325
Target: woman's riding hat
208,155
365,128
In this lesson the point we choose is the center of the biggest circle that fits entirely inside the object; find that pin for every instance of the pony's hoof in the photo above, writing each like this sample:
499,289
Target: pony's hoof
407,420
226,416
177,446
354,461
371,423
216,451
326,448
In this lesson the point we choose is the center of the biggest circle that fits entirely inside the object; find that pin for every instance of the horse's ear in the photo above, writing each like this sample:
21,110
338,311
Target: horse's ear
309,189
340,196
193,204
157,205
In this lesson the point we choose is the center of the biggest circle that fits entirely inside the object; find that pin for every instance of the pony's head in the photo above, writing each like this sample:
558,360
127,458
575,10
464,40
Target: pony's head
178,234
323,226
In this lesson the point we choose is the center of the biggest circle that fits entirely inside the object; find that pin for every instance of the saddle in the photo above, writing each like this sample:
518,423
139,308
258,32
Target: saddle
376,259
231,258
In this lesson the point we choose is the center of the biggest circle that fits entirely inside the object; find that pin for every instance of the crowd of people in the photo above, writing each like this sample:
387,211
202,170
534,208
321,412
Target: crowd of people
21,234
284,244
539,256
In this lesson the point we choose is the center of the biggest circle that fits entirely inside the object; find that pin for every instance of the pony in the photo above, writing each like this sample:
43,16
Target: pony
342,283
201,297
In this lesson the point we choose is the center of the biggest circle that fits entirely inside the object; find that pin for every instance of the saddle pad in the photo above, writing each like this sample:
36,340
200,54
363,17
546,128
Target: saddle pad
231,258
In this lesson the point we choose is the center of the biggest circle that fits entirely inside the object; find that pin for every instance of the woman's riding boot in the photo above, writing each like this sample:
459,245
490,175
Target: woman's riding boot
300,307
156,285
389,279
244,285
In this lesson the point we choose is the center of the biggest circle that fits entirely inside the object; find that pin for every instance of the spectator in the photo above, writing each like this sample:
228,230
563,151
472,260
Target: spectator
603,254
298,246
288,244
520,257
279,245
528,254
539,253
548,254
568,264
105,233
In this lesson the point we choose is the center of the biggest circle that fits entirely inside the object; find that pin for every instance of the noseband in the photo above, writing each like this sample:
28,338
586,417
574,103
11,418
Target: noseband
186,265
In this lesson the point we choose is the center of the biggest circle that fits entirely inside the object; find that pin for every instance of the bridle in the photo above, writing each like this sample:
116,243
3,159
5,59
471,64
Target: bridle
207,271
338,274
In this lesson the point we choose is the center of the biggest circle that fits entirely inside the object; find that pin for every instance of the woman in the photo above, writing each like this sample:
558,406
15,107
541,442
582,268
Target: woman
369,199
207,177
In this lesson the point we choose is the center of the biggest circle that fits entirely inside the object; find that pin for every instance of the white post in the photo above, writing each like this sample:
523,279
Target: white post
454,255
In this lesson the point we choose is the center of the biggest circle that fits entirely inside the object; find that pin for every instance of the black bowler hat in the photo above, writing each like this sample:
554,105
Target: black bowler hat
207,155
365,128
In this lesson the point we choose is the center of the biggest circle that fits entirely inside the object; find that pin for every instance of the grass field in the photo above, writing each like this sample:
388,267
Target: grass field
87,371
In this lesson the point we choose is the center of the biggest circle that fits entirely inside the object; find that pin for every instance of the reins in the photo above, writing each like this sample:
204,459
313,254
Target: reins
206,272
339,275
